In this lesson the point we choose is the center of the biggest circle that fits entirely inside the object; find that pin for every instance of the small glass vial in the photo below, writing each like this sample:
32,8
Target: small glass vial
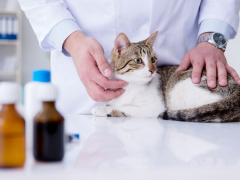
48,137
12,127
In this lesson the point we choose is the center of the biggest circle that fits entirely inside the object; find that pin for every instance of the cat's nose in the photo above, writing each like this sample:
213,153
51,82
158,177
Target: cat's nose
151,71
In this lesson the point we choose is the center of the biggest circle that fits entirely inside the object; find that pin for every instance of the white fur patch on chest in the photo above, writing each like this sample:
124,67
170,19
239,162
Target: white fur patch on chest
186,95
145,100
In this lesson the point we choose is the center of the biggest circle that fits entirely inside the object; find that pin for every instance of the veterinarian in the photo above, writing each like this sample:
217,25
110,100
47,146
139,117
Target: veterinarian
81,34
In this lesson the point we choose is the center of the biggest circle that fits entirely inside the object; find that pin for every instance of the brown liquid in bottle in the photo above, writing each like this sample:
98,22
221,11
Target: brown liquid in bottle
12,137
48,134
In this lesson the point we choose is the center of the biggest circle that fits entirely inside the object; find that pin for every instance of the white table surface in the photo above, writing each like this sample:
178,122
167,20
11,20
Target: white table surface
134,148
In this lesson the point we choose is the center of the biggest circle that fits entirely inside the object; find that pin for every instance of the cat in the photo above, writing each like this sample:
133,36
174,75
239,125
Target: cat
163,92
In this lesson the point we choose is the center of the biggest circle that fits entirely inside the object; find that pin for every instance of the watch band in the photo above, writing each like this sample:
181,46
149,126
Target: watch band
204,38
208,38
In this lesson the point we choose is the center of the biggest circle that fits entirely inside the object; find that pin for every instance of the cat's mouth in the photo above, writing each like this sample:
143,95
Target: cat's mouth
148,77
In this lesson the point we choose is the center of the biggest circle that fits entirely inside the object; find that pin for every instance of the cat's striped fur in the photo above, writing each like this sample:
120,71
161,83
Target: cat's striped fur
153,92
225,110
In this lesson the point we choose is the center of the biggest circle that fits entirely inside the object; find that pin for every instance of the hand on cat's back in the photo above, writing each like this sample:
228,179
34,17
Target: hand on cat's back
93,68
214,61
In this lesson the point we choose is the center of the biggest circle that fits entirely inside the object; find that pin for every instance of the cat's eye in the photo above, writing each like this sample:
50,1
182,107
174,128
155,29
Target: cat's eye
153,60
138,61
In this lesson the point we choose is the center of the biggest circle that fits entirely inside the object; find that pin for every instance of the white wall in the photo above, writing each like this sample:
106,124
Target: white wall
33,57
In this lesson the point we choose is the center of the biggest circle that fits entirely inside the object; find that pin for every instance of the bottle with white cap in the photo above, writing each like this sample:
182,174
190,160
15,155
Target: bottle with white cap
48,144
32,105
12,127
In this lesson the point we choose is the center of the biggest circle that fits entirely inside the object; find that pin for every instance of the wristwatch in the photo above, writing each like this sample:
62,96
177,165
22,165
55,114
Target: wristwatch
216,39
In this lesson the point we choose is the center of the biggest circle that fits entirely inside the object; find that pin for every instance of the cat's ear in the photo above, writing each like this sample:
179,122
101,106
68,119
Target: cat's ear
121,43
150,41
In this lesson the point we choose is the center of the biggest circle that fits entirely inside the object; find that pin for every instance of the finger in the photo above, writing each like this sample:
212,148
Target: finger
108,84
185,63
104,82
222,74
233,73
98,93
102,62
197,70
211,73
113,94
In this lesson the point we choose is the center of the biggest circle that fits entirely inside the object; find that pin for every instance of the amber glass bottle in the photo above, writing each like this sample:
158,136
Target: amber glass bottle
48,128
12,128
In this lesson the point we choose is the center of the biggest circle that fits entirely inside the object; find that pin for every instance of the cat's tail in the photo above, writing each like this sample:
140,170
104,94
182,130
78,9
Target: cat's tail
225,110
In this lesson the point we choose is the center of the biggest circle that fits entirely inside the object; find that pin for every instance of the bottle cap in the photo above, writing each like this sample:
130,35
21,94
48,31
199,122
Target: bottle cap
42,76
9,92
47,92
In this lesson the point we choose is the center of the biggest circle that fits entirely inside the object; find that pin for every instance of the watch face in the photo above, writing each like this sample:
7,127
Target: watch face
219,39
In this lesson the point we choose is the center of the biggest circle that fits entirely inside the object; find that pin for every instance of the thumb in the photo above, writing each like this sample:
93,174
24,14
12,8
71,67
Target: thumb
102,63
185,63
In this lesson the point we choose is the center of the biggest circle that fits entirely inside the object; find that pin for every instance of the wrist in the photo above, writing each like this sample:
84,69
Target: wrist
72,42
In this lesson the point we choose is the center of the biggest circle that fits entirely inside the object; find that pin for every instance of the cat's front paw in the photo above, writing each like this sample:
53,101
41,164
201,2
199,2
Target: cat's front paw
101,111
116,113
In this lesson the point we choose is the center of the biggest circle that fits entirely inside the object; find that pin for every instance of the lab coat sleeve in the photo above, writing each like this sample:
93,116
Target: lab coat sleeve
218,26
223,10
44,16
59,34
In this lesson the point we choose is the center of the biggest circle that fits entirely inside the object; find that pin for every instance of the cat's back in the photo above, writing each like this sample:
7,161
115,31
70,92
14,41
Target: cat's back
168,78
166,72
180,92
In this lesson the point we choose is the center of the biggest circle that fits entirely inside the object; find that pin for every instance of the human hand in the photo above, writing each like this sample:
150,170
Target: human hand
93,68
206,55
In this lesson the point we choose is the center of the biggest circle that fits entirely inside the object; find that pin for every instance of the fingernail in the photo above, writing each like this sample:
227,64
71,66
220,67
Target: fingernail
196,80
223,81
122,91
107,72
212,83
126,83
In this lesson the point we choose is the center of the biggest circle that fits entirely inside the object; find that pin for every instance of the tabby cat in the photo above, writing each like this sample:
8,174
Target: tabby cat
163,92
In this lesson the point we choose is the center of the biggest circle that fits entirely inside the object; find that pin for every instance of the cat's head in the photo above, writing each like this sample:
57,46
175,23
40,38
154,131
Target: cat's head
134,62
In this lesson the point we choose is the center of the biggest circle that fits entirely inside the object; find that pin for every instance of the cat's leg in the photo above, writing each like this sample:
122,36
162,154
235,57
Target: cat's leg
117,113
128,111
135,111
102,110
110,111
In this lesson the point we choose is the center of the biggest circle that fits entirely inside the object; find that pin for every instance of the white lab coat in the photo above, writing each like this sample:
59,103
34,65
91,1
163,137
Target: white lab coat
176,20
